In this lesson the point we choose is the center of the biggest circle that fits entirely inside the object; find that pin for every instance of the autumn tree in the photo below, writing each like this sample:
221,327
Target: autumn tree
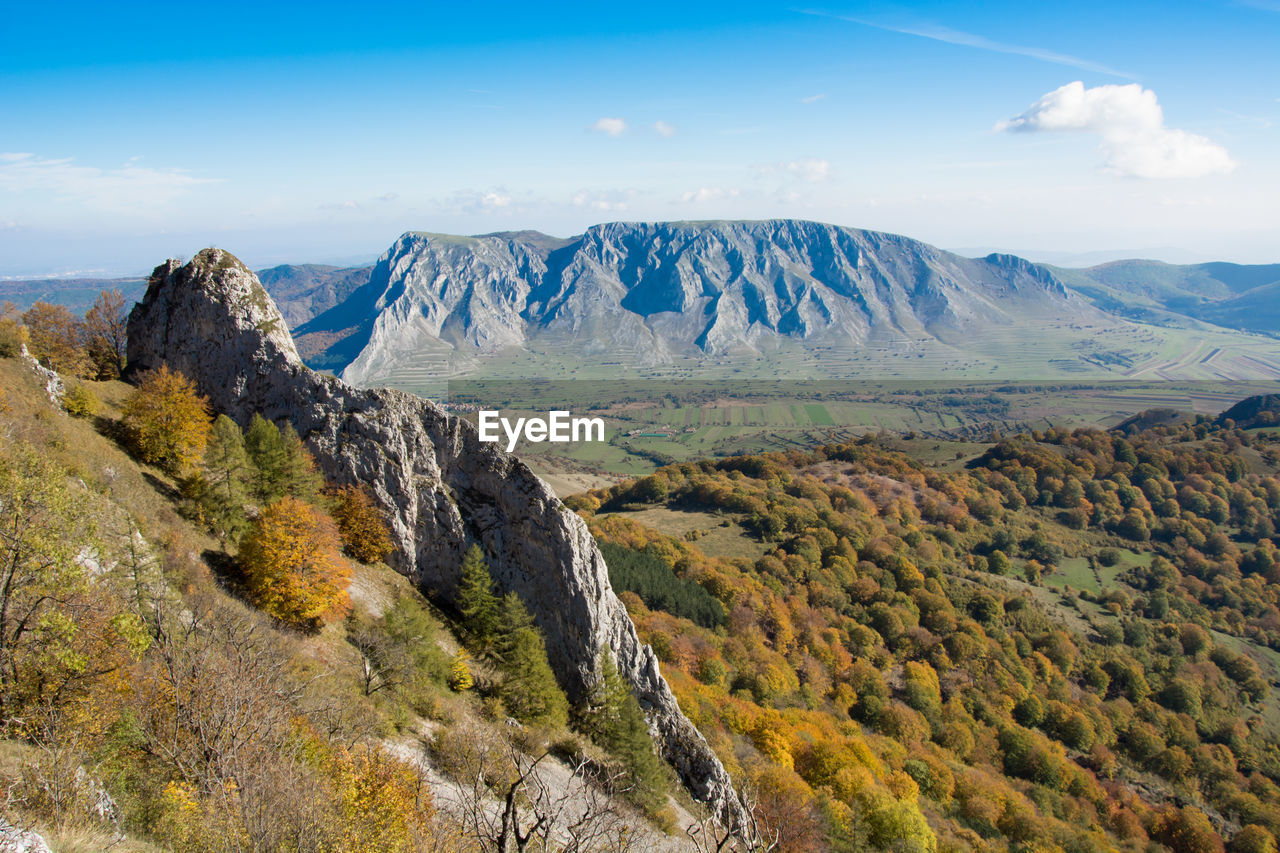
56,339
167,421
12,333
105,327
460,677
360,523
62,626
292,564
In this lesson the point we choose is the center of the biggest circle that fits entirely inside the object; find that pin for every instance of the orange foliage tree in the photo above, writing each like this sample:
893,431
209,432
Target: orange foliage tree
360,523
167,421
105,327
293,565
56,339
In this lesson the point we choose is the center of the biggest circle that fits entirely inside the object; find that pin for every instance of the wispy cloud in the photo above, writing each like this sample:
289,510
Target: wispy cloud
1135,140
946,34
664,129
123,187
605,201
812,99
705,194
480,201
810,170
610,126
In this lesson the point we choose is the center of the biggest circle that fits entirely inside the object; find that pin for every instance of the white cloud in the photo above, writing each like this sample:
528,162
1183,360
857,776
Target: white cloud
809,170
1135,141
705,194
124,187
349,204
611,126
812,99
605,201
477,201
667,130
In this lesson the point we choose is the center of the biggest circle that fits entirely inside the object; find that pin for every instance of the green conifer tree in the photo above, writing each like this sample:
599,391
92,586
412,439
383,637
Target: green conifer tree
266,449
475,600
298,476
529,688
613,719
228,475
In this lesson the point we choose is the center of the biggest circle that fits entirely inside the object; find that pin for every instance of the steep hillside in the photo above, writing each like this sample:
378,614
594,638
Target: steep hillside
149,703
442,489
302,291
1071,643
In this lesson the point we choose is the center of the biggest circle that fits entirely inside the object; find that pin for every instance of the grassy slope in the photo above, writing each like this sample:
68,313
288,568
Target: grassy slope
85,449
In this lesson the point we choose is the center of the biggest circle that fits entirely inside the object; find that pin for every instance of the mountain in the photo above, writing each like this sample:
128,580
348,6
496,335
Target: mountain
78,294
1235,296
439,486
661,294
301,290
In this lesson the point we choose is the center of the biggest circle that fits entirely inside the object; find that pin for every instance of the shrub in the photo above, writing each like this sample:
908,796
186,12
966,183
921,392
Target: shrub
80,402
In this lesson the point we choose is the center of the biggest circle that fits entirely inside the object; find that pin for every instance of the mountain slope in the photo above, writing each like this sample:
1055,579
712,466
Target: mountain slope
440,487
652,294
1234,296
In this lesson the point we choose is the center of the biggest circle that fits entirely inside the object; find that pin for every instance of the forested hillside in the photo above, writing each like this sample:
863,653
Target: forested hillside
200,650
1067,643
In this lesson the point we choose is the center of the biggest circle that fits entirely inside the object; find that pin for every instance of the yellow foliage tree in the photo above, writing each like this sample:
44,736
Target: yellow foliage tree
167,421
383,804
460,677
56,339
360,523
293,566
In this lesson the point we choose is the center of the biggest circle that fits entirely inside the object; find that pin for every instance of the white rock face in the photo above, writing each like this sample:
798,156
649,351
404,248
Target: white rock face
14,840
647,293
441,487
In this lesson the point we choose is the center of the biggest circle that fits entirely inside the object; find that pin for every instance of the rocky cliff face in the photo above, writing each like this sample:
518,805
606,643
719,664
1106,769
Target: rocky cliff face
441,486
649,293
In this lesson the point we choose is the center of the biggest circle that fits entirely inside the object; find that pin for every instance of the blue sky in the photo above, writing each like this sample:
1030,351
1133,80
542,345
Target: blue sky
320,131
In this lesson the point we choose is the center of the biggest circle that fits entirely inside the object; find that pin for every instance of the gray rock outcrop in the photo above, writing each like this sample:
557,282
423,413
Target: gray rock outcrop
646,294
15,840
441,486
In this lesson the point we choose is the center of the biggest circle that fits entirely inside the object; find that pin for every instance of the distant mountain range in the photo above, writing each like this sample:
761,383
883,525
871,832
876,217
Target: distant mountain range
757,298
300,290
1235,296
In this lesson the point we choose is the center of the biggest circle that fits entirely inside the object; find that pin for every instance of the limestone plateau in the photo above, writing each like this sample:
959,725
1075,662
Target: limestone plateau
441,487
653,293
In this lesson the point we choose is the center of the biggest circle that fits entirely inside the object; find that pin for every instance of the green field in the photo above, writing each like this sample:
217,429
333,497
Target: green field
651,423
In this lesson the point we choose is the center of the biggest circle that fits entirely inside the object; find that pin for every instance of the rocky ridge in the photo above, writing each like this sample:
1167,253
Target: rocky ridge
441,487
652,293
